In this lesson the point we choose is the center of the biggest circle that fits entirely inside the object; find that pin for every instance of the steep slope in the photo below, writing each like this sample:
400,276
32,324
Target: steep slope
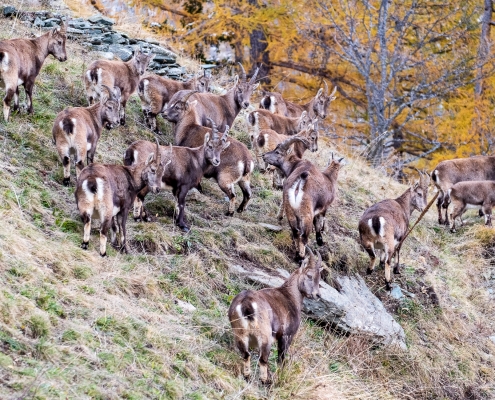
73,325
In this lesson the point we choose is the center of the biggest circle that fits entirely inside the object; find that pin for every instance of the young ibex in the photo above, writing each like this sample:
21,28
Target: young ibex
124,75
259,120
472,194
258,318
108,192
77,130
384,224
237,162
155,93
223,109
21,61
318,106
308,192
447,173
186,172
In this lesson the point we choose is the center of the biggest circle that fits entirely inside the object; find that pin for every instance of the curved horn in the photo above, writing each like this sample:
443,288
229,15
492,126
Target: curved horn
253,78
187,95
214,128
288,142
158,154
225,134
243,74
111,94
310,251
319,257
326,86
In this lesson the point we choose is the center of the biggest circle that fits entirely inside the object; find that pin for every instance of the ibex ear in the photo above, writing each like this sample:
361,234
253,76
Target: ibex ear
304,263
191,103
150,158
207,138
225,145
255,86
319,92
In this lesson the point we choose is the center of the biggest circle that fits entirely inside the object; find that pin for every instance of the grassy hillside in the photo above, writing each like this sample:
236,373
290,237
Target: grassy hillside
74,325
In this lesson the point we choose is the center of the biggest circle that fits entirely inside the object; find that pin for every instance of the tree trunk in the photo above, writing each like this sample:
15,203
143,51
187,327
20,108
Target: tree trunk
259,55
484,49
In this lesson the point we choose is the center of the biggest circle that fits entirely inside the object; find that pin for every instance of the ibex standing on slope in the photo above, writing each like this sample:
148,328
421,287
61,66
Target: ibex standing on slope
21,61
384,224
258,318
447,173
318,106
124,75
77,130
107,192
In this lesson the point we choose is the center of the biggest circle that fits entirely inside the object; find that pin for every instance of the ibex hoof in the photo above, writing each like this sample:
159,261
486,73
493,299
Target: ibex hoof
452,230
184,228
229,213
396,270
239,210
480,213
104,254
122,122
319,241
84,245
440,221
137,219
66,181
387,286
369,271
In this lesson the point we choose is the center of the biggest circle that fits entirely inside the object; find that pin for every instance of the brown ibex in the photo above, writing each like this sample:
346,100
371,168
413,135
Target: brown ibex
259,120
258,318
124,75
21,61
318,106
472,194
447,173
237,162
186,171
107,192
77,130
384,224
224,108
156,91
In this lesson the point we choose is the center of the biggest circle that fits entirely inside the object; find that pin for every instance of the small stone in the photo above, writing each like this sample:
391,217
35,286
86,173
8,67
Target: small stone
38,22
396,292
274,228
122,52
73,31
185,306
492,338
9,11
100,19
155,25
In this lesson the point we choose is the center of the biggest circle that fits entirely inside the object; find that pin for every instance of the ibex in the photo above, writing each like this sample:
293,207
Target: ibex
223,109
237,162
472,194
308,192
258,318
77,130
107,192
187,168
124,75
262,119
447,173
385,224
318,106
155,93
21,61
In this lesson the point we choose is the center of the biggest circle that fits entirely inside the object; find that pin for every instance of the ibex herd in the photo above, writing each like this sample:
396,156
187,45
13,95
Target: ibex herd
280,133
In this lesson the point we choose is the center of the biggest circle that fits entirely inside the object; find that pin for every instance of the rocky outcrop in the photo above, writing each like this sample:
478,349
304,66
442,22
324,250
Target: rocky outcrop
351,308
97,34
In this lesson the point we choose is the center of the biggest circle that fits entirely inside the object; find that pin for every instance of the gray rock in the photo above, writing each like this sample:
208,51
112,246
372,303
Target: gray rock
151,41
38,22
100,19
106,54
274,228
92,32
74,31
351,309
164,58
96,40
176,71
9,11
122,52
52,22
396,292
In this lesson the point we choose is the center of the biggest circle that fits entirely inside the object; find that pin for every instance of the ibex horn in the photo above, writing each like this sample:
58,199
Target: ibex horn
158,153
187,95
253,78
214,128
111,94
288,142
243,73
326,86
224,136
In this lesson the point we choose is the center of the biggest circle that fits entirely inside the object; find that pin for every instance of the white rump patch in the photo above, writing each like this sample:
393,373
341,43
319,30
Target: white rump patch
251,166
89,194
437,182
381,231
19,82
88,146
136,154
240,166
295,199
5,61
61,125
115,211
99,188
272,107
255,306
243,320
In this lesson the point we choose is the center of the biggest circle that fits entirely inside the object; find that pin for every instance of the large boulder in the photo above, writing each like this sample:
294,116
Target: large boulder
351,308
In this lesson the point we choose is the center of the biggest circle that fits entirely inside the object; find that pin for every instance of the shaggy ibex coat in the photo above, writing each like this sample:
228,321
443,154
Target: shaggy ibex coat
258,318
472,194
124,75
318,106
21,61
77,130
263,119
385,224
185,172
156,91
447,173
107,192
